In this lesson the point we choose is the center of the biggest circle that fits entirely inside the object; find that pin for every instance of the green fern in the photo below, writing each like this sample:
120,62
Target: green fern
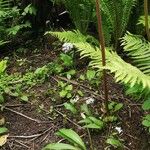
74,36
141,21
81,12
69,36
124,72
117,14
139,50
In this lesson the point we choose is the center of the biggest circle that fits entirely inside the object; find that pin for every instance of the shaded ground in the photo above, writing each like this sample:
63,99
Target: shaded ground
37,127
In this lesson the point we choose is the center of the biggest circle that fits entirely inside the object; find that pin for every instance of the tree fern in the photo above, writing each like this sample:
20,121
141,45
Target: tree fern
123,71
139,50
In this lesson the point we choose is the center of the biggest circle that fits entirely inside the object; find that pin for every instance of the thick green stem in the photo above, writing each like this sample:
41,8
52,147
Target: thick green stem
102,47
146,19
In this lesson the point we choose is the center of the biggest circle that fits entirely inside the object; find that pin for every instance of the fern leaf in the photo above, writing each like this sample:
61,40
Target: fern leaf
139,51
69,36
124,72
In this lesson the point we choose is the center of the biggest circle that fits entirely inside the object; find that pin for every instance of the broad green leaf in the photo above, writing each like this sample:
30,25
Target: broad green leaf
92,126
114,142
118,107
67,60
70,107
80,93
146,123
146,105
86,110
86,121
72,137
63,93
24,98
82,77
69,87
1,98
3,130
97,121
3,65
59,146
69,95
90,74
147,117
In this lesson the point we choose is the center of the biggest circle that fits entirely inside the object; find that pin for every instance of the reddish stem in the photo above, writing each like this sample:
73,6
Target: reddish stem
146,19
102,47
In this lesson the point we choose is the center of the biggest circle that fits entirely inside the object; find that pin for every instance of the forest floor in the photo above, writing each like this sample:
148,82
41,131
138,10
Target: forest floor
32,125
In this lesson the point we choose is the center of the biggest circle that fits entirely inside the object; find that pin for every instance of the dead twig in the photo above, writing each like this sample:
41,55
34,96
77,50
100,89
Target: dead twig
22,144
30,136
18,113
68,119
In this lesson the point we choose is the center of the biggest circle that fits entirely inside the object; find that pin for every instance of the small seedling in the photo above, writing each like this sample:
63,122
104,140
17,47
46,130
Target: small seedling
114,141
146,122
66,90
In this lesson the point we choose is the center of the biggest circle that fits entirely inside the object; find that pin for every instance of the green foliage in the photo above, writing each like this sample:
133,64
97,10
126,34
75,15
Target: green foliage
70,136
59,146
115,142
123,71
146,104
115,17
81,12
141,20
3,130
92,123
69,36
146,122
70,106
114,106
138,49
11,20
30,9
14,84
65,89
90,74
3,65
93,77
67,60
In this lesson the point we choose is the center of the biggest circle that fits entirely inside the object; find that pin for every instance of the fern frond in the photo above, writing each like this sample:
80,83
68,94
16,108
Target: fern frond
141,20
139,50
69,36
124,72
127,9
74,36
117,13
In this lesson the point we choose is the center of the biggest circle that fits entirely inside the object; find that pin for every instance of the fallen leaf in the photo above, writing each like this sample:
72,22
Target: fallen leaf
3,139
